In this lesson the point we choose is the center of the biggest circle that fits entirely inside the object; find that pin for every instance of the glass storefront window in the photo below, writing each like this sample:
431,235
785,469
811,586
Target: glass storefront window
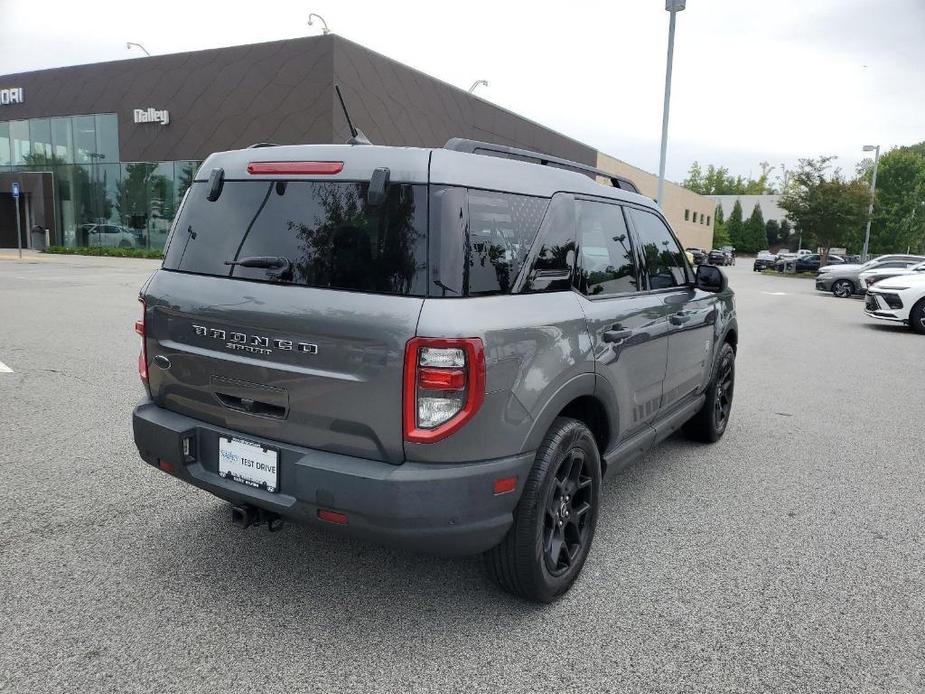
19,140
5,158
40,135
62,140
107,137
85,139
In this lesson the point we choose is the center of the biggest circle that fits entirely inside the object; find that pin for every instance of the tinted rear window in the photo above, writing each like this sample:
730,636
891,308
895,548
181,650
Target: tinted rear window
329,233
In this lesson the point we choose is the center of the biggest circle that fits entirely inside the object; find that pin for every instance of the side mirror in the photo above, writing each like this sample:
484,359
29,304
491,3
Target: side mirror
711,279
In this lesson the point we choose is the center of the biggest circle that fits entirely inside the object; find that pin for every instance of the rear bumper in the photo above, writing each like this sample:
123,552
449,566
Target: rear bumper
440,508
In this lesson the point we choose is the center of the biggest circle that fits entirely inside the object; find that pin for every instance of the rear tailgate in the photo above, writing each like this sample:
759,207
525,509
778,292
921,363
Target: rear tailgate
341,391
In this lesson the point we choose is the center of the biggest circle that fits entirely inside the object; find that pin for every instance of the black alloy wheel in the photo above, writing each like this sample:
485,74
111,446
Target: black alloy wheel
566,525
711,420
546,546
917,317
722,400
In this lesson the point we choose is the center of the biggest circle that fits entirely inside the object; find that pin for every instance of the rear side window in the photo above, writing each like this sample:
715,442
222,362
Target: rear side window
479,239
663,260
330,235
502,227
604,250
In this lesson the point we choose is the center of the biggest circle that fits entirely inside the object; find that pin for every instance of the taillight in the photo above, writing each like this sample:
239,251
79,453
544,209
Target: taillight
143,354
444,386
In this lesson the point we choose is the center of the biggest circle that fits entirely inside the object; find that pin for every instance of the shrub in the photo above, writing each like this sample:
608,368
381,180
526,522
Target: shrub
110,252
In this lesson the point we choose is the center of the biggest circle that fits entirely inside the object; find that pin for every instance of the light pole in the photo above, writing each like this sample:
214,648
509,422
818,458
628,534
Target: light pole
324,24
476,84
672,6
129,44
873,190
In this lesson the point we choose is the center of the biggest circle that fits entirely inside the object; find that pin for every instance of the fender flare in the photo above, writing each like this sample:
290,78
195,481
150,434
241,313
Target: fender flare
581,385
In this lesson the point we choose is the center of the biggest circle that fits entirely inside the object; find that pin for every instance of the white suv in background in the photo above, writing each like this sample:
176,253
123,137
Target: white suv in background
874,275
900,299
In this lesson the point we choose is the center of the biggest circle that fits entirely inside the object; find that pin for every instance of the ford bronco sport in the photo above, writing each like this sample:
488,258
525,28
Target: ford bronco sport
445,349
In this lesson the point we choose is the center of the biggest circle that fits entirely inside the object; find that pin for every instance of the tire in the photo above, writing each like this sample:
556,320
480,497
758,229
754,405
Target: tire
843,289
709,424
546,547
917,317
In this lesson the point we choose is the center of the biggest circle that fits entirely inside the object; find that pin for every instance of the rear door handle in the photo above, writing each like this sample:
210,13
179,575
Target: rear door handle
616,335
679,318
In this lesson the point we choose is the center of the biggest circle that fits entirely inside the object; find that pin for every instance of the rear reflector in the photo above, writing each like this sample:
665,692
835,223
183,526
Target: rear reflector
332,516
165,466
505,485
324,168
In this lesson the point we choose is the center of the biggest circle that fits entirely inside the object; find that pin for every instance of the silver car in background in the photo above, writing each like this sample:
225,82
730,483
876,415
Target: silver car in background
844,280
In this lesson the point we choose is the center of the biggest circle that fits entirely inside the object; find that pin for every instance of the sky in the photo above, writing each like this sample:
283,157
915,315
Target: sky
754,80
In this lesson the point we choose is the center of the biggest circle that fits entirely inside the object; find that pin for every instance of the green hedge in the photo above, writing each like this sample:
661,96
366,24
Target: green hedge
111,252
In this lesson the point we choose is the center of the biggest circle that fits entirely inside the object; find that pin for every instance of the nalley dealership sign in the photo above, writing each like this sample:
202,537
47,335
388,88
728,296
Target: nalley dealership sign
11,96
151,115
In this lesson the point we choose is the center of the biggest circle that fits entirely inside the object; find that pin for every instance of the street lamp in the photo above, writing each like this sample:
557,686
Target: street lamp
324,27
475,84
129,44
672,6
873,190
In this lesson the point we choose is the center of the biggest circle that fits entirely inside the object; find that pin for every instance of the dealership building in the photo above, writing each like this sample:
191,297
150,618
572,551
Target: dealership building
103,153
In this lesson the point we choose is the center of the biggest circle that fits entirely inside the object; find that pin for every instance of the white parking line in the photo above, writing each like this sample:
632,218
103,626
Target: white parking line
4,369
775,293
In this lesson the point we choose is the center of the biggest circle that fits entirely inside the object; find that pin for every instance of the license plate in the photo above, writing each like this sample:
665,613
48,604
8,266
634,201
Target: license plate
248,463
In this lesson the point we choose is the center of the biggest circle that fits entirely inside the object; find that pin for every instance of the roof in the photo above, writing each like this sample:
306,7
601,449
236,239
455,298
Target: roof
422,165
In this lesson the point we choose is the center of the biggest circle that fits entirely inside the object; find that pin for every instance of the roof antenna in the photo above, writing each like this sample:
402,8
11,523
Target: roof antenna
357,137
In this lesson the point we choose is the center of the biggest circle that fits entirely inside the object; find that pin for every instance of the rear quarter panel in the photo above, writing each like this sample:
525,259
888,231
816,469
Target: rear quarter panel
538,357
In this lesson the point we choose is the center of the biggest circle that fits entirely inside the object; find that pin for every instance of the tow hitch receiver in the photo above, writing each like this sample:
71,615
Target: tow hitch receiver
246,516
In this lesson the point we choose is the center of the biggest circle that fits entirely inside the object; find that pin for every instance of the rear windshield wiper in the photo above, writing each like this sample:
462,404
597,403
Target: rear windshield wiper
281,265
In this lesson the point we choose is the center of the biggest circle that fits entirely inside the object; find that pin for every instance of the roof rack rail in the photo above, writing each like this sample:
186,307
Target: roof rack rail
460,144
262,144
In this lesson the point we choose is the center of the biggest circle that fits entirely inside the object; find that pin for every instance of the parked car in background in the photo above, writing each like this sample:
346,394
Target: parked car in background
807,263
730,254
900,299
874,275
104,236
716,257
764,260
698,254
844,280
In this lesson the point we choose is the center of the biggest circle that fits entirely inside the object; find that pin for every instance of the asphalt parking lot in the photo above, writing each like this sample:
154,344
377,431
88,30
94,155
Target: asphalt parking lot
789,557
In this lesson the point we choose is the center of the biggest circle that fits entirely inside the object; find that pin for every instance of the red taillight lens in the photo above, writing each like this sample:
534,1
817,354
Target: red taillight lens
441,379
444,386
323,168
143,354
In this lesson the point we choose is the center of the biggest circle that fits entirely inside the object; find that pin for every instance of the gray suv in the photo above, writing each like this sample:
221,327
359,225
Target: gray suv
444,349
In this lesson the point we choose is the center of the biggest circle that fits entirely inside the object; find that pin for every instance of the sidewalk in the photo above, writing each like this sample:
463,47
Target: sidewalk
33,257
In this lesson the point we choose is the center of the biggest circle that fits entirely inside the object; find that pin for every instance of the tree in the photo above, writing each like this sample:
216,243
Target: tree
755,236
899,217
717,180
828,209
720,233
736,227
772,232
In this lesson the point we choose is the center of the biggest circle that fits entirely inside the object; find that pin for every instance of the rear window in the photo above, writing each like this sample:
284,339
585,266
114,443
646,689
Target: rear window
329,233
